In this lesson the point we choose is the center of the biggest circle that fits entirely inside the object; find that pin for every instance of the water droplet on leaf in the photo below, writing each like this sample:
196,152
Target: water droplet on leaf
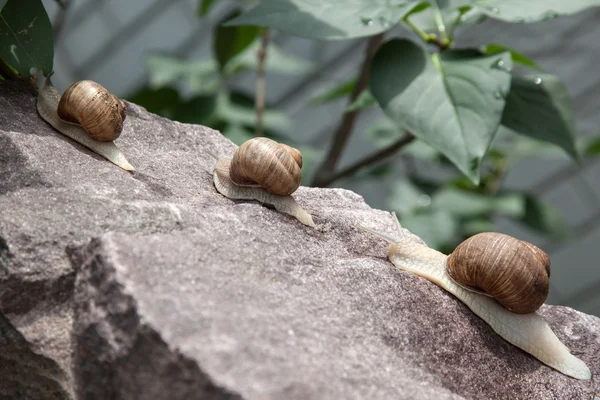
537,80
500,65
384,22
366,21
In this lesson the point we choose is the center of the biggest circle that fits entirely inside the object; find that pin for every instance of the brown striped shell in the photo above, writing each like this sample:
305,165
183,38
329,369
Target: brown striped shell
266,163
514,272
89,104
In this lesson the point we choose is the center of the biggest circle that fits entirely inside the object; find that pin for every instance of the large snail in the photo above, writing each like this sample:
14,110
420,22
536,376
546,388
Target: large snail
262,169
88,114
493,258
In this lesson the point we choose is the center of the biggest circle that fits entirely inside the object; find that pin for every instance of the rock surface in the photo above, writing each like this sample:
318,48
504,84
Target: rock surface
152,285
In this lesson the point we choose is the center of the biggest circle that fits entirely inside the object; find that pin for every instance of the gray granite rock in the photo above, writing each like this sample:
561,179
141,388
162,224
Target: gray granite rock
151,285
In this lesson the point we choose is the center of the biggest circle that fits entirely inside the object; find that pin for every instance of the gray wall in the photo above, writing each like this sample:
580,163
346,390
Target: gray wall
107,40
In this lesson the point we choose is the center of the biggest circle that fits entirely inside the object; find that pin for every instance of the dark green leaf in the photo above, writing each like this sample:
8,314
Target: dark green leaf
364,100
593,148
543,218
531,10
26,37
158,101
327,20
232,40
334,93
492,49
204,7
198,110
451,100
540,107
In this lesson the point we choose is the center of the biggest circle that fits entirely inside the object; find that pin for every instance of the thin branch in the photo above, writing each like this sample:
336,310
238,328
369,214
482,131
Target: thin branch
341,136
261,82
371,159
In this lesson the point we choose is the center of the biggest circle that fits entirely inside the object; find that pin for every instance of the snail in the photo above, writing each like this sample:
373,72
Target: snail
262,169
528,331
88,114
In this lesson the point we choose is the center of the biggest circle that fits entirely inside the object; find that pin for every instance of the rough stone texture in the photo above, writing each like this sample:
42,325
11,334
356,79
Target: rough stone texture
152,285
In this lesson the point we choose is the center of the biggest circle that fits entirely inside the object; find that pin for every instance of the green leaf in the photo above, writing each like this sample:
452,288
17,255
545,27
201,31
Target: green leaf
435,227
406,198
543,218
26,37
276,60
364,100
334,93
327,20
531,10
237,134
240,113
230,41
158,101
204,7
450,13
198,110
199,77
451,100
494,48
593,147
474,226
469,204
540,107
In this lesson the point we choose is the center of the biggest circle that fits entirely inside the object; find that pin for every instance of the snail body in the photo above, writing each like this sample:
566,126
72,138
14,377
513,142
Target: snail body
529,332
266,171
47,104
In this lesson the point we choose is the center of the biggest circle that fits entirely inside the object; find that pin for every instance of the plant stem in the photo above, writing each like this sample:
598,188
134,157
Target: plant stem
371,159
344,130
439,21
261,82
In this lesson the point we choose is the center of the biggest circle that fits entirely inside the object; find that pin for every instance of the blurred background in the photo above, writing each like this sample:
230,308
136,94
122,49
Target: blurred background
162,54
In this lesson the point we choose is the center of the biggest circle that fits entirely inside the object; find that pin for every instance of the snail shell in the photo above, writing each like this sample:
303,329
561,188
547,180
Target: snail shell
514,272
99,112
271,165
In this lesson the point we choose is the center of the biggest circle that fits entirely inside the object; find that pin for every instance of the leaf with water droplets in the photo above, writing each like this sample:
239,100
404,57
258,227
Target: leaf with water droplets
452,100
539,106
327,20
517,57
531,10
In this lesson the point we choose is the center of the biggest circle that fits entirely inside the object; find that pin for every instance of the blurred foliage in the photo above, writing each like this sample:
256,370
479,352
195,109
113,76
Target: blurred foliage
525,115
473,115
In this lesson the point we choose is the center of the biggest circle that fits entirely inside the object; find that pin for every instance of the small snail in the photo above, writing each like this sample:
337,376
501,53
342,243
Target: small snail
527,331
262,169
514,272
88,114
